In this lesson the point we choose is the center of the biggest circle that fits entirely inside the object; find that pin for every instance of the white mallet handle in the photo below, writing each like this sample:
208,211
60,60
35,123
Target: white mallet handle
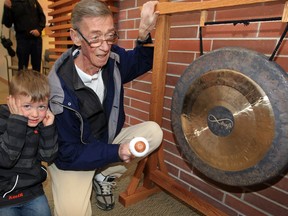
139,146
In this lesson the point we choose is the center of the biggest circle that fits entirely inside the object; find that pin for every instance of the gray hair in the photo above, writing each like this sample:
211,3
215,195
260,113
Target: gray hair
89,8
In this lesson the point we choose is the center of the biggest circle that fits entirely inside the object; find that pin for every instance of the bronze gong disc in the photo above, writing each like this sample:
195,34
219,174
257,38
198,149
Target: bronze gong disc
229,116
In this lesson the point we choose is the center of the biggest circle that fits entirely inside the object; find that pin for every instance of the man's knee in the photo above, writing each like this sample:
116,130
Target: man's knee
156,135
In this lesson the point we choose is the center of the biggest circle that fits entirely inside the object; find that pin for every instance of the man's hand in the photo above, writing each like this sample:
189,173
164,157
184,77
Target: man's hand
124,153
35,33
8,3
148,19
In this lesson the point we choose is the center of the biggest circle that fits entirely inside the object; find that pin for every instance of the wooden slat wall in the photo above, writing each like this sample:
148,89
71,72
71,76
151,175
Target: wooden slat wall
60,24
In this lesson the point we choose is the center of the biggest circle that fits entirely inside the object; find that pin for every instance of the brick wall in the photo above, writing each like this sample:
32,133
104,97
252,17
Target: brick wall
266,199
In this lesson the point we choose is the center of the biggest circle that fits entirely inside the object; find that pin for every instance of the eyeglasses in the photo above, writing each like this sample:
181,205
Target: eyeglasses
97,41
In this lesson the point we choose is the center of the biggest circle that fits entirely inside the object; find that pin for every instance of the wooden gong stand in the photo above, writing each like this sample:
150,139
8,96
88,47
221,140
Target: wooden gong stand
153,167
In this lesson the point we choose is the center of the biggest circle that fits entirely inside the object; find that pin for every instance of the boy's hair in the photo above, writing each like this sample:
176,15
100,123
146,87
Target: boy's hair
89,8
30,83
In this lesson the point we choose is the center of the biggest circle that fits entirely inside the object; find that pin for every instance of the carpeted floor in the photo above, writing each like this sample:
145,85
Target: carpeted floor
158,204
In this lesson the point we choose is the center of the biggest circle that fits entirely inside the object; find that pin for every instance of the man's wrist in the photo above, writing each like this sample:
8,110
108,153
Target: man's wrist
146,40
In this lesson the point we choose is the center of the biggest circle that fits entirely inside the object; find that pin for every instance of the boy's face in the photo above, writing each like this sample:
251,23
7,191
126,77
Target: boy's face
34,111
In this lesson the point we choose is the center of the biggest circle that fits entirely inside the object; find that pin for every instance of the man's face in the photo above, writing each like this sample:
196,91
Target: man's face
95,56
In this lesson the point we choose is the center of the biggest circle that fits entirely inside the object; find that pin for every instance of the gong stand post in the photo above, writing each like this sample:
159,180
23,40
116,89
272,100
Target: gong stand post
153,167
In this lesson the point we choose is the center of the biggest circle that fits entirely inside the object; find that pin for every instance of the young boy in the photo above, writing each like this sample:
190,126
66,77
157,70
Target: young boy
27,137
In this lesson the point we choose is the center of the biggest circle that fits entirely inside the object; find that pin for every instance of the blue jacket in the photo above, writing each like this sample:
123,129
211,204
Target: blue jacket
86,128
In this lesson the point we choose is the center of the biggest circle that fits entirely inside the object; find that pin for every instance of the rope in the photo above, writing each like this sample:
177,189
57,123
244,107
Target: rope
245,22
279,43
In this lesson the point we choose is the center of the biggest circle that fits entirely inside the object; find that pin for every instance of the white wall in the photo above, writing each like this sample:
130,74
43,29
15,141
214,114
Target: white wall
3,52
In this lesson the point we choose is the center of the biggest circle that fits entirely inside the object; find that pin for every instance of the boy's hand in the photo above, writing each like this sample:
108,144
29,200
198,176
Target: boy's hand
49,118
14,106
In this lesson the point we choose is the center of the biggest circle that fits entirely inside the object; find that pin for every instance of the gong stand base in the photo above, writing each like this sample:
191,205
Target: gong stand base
155,181
135,193
153,169
156,178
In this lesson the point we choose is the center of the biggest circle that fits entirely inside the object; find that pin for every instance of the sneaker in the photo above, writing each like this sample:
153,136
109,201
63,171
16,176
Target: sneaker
103,186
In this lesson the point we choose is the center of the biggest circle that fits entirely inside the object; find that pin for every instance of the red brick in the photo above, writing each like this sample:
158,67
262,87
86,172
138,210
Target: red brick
271,29
132,34
275,195
128,24
176,161
219,205
201,185
282,184
144,106
230,31
189,45
122,35
185,19
168,136
141,86
283,49
140,2
181,57
166,114
172,170
134,13
242,207
167,103
282,61
166,124
137,113
137,95
176,69
171,148
126,4
265,205
250,12
134,121
169,91
171,80
263,46
184,32
122,15
128,44
127,101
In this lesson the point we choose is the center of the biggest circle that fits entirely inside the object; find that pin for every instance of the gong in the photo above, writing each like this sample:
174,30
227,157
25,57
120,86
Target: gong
229,116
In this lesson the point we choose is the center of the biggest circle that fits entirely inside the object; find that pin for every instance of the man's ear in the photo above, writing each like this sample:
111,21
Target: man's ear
75,37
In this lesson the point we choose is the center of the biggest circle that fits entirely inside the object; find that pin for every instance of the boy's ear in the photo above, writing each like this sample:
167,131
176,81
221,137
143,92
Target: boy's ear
75,37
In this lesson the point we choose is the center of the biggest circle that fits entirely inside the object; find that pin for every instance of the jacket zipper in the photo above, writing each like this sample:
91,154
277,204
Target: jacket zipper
77,114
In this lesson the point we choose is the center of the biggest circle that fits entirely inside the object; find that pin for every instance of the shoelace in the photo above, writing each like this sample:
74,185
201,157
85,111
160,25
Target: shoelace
107,187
